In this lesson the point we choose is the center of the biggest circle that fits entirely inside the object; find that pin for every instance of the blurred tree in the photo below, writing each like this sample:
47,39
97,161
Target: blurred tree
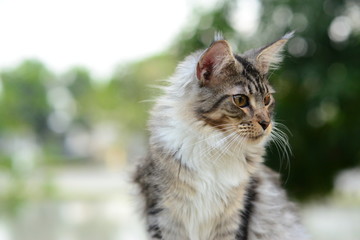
80,85
200,31
23,104
321,89
79,82
128,96
24,110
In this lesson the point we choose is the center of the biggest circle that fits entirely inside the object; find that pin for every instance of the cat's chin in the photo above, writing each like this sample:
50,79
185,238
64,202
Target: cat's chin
261,138
256,139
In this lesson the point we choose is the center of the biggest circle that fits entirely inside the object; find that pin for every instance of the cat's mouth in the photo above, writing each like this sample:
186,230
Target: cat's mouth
254,138
255,135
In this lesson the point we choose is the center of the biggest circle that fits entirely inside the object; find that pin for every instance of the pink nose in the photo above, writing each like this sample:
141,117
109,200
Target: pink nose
264,124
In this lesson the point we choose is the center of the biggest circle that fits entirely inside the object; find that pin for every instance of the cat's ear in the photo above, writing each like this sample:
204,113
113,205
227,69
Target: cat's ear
212,61
270,56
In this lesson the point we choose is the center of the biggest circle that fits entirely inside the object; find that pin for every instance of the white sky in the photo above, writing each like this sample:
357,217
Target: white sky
92,33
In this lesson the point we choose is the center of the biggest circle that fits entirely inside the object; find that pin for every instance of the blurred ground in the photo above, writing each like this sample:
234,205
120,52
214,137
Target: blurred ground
93,204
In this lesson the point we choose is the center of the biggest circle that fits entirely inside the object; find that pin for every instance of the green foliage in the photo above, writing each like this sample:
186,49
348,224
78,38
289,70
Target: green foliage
201,34
319,105
131,90
23,101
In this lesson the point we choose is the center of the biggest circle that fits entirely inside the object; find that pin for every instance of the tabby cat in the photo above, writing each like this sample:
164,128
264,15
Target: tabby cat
204,177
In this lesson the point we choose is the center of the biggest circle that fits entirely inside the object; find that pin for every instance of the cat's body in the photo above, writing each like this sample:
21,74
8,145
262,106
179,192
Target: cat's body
204,178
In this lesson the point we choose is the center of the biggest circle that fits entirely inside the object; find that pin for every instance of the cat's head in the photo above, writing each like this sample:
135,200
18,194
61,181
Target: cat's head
234,94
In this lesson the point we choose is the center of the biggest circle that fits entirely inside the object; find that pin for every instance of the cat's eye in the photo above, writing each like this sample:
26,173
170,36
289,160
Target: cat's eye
267,99
240,100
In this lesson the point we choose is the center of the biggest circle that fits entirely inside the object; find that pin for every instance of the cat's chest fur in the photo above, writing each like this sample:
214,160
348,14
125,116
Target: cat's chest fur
214,192
216,177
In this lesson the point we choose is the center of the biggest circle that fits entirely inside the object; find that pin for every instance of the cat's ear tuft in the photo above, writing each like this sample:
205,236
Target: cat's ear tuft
218,36
271,56
212,61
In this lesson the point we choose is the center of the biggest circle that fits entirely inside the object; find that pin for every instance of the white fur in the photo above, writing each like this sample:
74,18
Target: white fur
213,178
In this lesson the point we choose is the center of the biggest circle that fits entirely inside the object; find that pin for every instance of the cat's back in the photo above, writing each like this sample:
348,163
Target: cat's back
272,215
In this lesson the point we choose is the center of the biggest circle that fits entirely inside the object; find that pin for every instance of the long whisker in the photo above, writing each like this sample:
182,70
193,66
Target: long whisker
226,147
281,142
278,149
212,136
225,143
282,137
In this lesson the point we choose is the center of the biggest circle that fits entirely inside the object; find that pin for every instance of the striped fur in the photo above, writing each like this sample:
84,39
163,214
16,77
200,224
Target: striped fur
204,178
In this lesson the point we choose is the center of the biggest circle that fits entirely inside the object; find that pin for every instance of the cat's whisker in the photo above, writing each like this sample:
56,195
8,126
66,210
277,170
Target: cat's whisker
226,147
276,124
284,139
281,142
278,149
211,137
227,142
223,146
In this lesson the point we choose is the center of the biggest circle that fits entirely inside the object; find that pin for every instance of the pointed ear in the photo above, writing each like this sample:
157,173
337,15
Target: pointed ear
271,56
216,57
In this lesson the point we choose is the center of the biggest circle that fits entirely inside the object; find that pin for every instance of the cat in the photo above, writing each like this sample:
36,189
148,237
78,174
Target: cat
204,177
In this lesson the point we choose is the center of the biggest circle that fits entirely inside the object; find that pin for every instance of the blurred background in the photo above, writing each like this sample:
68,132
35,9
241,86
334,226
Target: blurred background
74,76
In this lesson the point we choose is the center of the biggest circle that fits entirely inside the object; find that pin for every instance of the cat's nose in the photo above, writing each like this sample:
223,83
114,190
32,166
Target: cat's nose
264,124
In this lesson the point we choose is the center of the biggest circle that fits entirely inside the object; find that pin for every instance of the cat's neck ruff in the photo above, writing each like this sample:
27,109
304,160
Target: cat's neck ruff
218,165
204,148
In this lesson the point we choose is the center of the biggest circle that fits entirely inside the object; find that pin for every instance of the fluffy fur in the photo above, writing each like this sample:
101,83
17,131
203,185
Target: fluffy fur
204,178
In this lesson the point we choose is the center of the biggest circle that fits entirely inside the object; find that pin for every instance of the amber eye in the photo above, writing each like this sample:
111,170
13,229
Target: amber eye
267,99
241,100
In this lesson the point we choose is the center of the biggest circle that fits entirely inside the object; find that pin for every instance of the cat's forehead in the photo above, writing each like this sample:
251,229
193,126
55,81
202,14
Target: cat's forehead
248,80
249,88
